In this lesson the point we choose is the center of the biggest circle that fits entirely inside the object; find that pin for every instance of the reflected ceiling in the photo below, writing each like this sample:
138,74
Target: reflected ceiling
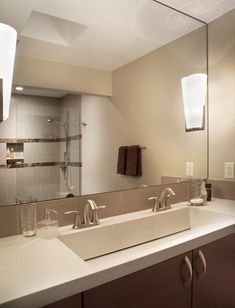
104,34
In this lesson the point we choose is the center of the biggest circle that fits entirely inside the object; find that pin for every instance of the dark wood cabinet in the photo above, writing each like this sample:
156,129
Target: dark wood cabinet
214,284
202,278
69,302
164,285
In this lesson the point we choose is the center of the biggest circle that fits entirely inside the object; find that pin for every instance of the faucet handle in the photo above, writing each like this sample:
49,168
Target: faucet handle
77,221
156,203
101,207
95,218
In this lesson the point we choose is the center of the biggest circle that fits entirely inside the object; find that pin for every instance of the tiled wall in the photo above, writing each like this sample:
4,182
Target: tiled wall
28,120
223,189
116,203
71,105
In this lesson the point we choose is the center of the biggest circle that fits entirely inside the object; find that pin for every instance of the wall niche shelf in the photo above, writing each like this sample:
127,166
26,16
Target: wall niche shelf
14,153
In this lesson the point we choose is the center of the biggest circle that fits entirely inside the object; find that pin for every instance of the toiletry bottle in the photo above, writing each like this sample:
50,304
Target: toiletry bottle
8,153
12,153
48,227
203,194
208,190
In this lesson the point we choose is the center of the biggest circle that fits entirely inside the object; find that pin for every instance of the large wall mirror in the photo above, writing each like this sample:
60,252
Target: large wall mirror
97,76
222,98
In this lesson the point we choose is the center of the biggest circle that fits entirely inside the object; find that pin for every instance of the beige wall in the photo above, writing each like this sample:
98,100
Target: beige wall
147,96
52,75
222,93
105,132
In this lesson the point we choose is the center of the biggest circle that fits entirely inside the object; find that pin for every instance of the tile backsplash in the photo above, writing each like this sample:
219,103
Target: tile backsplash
119,202
116,203
223,189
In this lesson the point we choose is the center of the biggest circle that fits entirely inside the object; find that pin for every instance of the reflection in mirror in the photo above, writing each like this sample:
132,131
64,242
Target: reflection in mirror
222,93
95,84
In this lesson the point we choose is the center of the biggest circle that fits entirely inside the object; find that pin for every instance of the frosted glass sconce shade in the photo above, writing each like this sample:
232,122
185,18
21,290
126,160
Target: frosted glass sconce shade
8,37
194,89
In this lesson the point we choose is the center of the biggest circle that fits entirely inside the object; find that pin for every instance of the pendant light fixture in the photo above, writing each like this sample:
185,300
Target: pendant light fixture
194,90
8,37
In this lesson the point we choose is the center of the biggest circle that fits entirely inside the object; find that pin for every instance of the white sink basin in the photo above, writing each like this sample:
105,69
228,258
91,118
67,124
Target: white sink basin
127,230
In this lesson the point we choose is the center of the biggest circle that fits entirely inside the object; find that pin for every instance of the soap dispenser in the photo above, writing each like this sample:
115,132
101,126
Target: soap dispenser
48,227
202,195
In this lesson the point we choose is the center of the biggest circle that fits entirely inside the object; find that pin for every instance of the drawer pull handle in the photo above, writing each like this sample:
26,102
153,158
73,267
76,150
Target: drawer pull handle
188,281
203,260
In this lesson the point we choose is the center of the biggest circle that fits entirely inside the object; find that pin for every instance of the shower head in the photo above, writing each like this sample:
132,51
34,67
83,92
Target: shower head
56,121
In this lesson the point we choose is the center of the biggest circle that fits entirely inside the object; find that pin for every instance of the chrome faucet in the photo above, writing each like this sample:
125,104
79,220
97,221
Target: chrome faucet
156,206
90,217
77,221
91,213
165,194
160,203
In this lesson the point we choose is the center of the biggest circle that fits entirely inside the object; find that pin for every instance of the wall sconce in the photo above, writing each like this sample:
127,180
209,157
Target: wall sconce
8,37
194,90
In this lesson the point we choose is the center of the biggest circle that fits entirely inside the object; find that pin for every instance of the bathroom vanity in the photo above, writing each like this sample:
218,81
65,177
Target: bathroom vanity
193,266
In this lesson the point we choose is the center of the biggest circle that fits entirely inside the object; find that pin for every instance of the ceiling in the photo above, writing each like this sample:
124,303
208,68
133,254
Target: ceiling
102,34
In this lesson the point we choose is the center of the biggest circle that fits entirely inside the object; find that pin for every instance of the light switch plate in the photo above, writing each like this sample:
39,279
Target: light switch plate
189,168
229,170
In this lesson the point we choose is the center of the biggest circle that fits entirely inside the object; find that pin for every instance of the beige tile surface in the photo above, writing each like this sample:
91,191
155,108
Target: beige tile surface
8,221
112,201
137,199
180,190
116,203
61,206
223,189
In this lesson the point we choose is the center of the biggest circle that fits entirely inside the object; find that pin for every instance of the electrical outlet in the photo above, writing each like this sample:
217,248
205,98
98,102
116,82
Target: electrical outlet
189,168
229,170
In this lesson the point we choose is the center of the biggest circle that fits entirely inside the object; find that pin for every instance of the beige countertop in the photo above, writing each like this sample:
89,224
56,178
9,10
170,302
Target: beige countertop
35,271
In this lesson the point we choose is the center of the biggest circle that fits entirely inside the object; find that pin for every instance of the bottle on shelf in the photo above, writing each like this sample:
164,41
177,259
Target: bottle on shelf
12,154
8,153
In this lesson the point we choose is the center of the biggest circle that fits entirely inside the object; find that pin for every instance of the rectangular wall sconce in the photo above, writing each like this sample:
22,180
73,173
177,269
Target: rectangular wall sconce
194,90
8,37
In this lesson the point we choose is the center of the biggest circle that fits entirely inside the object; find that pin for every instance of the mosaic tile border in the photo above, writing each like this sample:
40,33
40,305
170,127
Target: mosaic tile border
45,164
37,140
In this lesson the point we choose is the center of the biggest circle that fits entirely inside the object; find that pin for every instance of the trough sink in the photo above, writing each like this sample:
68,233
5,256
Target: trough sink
123,231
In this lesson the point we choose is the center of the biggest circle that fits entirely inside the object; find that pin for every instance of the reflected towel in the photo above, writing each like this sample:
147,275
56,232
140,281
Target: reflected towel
134,161
122,156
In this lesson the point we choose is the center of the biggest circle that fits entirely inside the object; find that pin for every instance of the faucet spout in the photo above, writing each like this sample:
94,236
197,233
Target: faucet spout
91,213
165,194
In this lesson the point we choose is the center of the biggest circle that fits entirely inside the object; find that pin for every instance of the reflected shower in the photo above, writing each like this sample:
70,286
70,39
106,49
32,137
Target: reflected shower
57,121
65,165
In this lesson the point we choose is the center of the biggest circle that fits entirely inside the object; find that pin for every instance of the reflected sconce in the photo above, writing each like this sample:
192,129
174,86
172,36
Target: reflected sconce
194,90
8,37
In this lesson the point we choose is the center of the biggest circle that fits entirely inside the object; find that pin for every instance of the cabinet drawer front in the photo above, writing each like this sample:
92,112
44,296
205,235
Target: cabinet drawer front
214,286
158,286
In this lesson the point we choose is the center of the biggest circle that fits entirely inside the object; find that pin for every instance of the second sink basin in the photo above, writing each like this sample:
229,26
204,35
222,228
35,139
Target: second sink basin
126,230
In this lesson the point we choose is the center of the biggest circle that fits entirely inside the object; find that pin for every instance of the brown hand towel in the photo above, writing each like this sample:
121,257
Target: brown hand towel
121,164
133,163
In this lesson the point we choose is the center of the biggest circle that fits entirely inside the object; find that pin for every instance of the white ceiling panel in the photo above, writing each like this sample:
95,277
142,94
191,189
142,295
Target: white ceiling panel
102,34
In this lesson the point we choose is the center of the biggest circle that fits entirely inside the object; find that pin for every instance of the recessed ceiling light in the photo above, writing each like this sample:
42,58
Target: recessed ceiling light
19,88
